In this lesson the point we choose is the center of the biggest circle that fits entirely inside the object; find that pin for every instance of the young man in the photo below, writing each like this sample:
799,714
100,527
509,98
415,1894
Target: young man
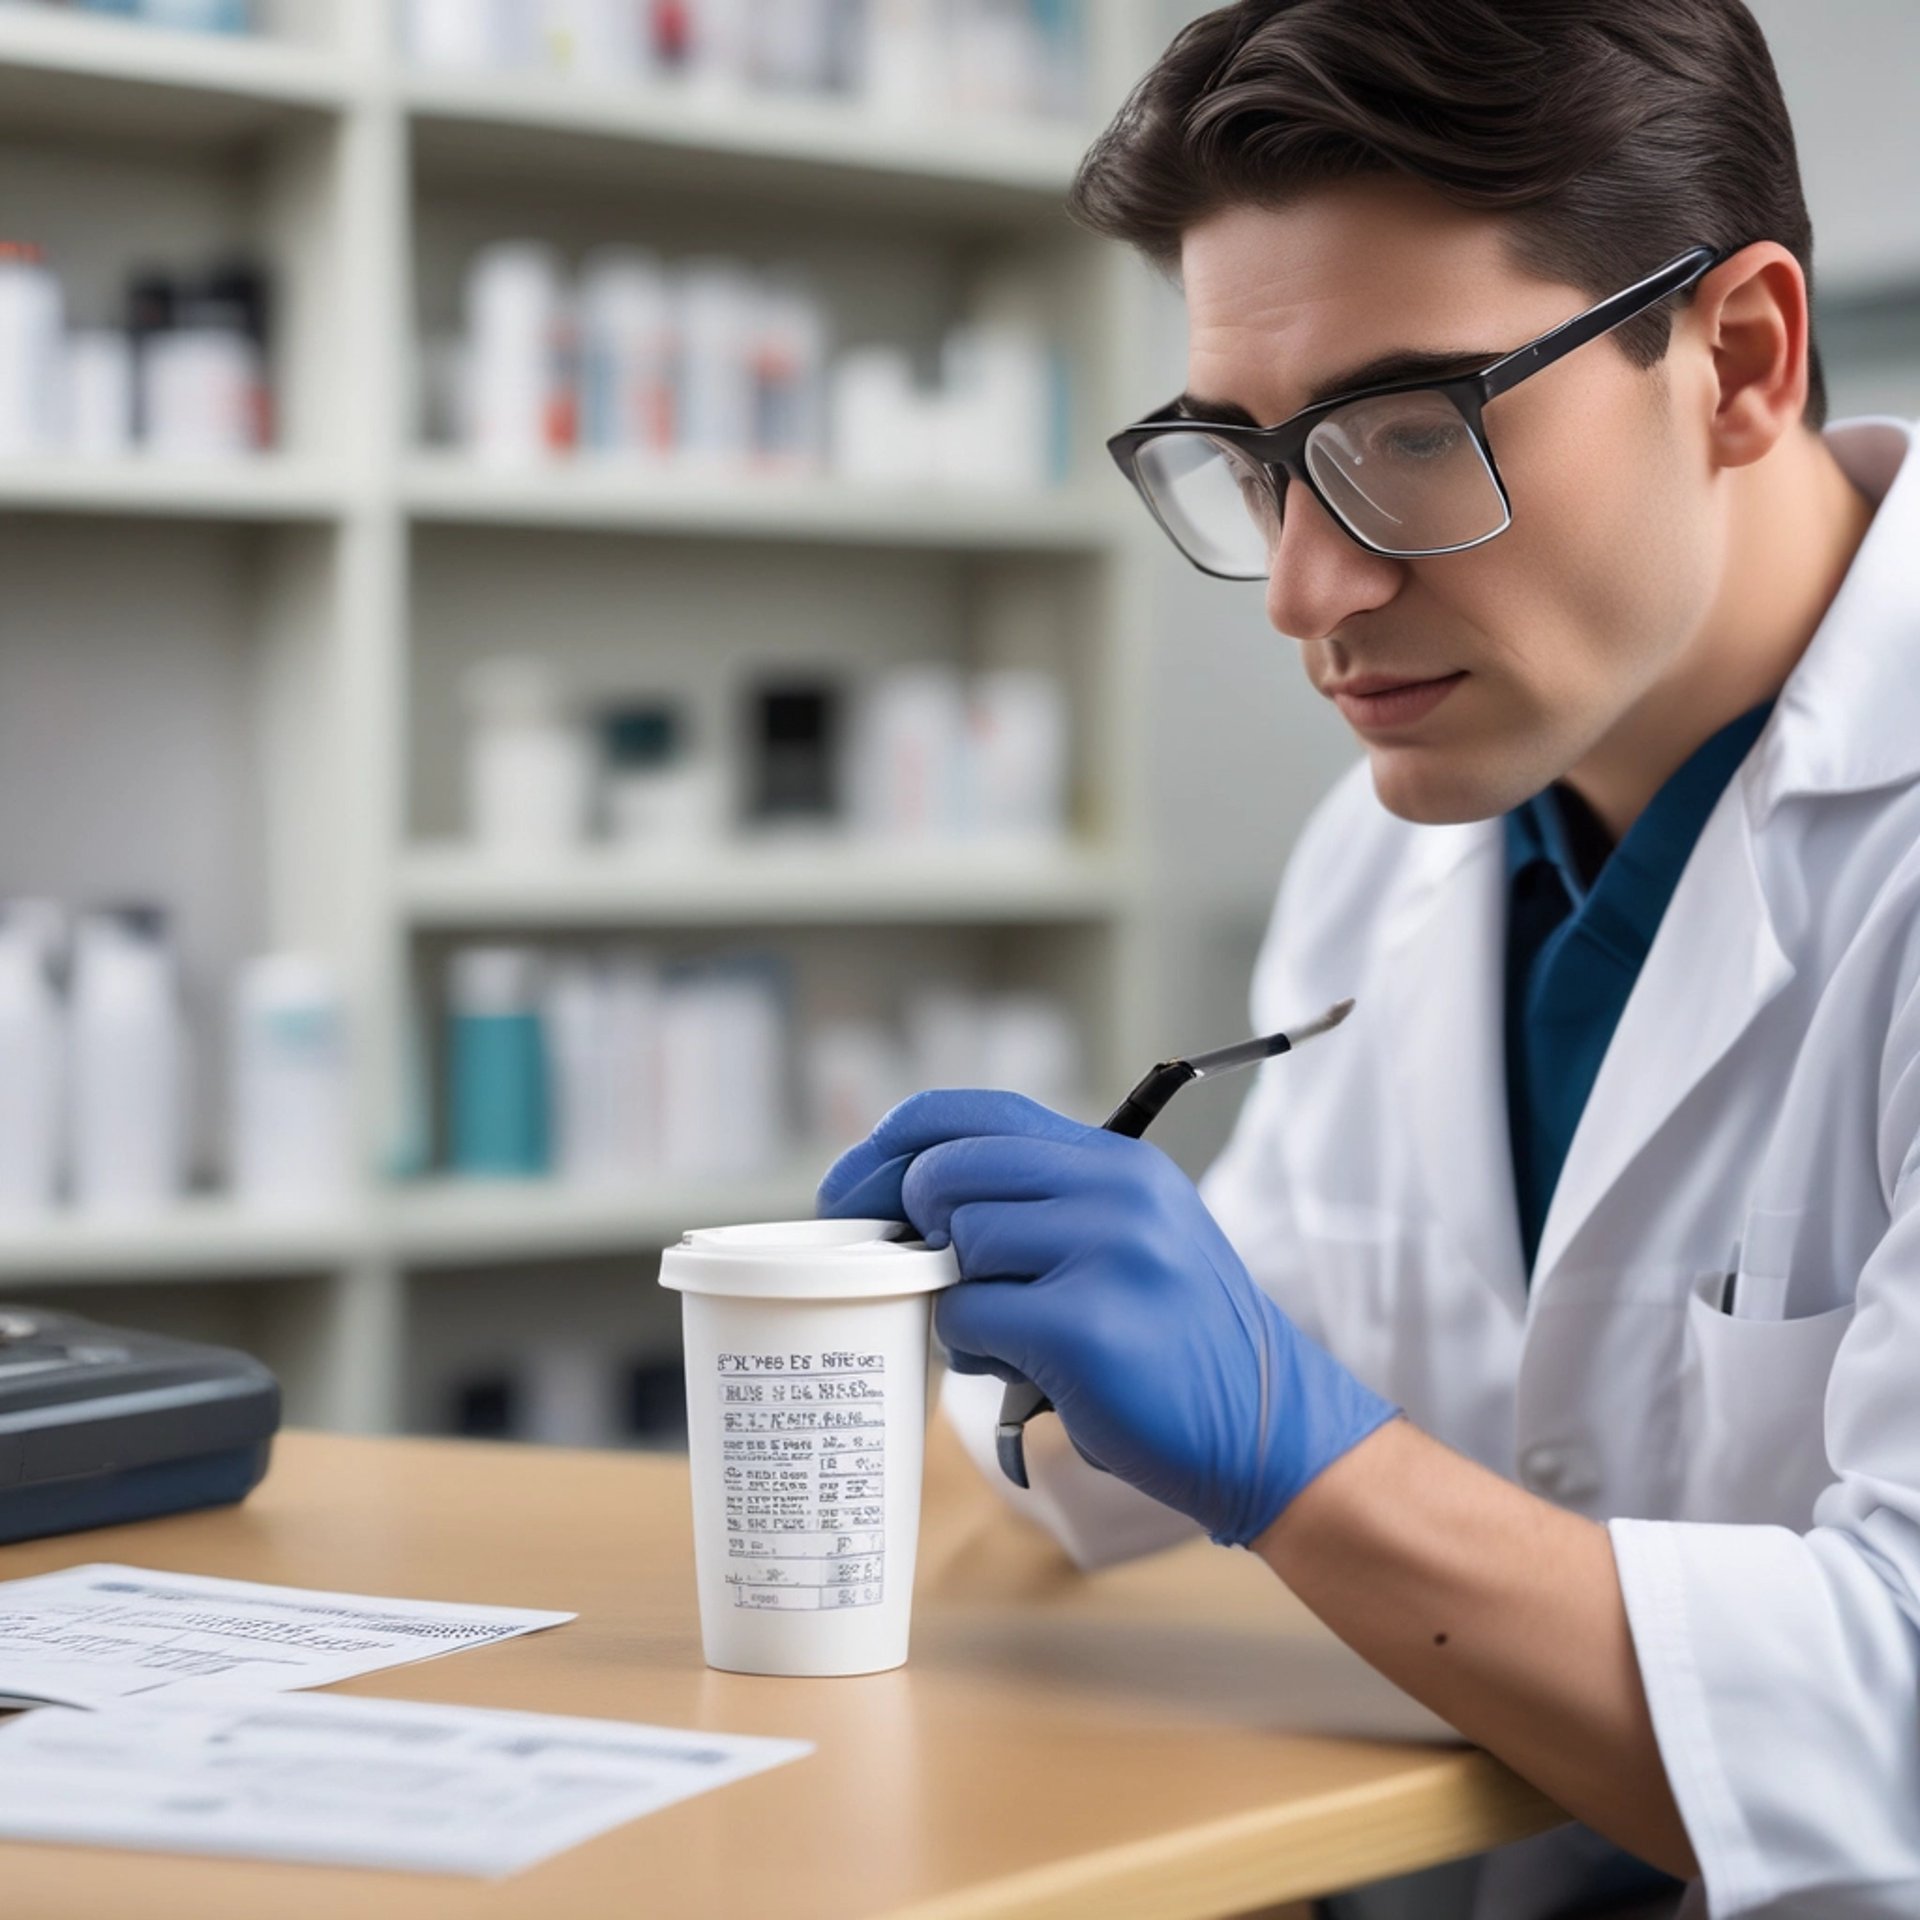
1553,1329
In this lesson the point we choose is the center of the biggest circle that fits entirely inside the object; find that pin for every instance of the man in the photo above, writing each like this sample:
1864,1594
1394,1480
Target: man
1553,1328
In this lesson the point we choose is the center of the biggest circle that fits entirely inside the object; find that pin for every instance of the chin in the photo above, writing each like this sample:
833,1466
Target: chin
1435,790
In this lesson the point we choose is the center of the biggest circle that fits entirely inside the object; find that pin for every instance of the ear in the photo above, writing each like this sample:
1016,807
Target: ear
1750,314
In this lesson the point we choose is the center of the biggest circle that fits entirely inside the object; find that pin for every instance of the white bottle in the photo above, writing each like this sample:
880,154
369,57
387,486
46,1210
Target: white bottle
723,1066
631,1041
291,1099
32,352
720,48
581,1086
881,428
516,328
99,393
529,766
717,312
998,404
201,385
947,1037
1017,766
1030,1045
128,1064
908,765
467,36
626,356
854,1072
906,61
789,374
602,42
793,45
31,1048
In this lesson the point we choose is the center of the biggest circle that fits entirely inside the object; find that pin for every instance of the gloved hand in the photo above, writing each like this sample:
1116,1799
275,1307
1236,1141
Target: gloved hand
1090,1265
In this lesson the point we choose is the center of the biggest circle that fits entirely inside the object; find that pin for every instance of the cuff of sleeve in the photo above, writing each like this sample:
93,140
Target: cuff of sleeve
1652,1570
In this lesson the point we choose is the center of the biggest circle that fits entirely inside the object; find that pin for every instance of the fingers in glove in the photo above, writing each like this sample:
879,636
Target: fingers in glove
1016,1239
957,1173
926,1119
985,1318
864,1190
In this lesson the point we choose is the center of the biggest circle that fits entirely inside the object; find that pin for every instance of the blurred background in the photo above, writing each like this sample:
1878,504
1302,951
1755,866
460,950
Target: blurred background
566,636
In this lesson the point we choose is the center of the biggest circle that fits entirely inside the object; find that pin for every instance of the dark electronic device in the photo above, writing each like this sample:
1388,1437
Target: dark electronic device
100,1426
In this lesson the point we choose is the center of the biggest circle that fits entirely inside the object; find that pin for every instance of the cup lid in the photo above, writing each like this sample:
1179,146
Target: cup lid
808,1260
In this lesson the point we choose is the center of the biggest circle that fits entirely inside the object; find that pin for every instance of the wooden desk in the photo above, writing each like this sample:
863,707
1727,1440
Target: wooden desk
1058,1745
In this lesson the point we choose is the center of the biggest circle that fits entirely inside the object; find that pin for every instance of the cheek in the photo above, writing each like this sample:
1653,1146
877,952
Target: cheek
1600,580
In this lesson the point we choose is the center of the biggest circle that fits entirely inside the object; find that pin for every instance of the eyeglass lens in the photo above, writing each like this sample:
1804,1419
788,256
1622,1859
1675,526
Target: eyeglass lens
1405,472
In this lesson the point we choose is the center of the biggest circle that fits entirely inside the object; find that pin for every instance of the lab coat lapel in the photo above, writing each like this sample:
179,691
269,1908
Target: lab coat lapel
1715,963
1444,994
1842,724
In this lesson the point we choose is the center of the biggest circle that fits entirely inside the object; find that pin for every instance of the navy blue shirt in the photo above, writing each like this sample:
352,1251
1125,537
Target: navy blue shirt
1581,916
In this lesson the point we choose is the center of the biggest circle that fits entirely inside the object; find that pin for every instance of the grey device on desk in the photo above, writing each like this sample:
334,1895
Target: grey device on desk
1022,1399
100,1426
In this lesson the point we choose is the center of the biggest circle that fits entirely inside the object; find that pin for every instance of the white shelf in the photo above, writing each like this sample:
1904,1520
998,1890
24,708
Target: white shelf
91,75
437,1222
449,1222
449,490
794,883
199,1239
267,488
483,123
323,667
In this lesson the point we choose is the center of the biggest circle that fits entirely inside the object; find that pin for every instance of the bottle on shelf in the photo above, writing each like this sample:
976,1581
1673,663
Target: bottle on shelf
658,793
127,1112
497,1081
32,1045
291,1097
31,351
529,763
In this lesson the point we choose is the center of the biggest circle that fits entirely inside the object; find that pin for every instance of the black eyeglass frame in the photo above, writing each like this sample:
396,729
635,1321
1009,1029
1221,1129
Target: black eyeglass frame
1281,448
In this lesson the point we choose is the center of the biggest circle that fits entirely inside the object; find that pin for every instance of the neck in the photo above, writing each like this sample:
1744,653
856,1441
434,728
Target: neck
1796,523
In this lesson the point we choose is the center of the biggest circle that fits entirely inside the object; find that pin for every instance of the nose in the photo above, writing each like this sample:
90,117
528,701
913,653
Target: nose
1319,576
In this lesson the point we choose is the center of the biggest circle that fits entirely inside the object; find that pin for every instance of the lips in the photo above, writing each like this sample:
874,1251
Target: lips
1365,684
1375,700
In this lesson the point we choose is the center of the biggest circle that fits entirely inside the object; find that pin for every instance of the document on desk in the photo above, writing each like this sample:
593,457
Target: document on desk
338,1780
88,1636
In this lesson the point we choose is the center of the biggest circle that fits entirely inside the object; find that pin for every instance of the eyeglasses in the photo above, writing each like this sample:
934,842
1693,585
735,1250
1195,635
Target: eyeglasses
1405,469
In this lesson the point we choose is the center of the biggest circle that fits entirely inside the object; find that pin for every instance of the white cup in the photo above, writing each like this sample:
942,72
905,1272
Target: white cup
806,1356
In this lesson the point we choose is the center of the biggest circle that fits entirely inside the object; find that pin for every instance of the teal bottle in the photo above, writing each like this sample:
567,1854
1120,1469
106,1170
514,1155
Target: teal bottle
497,1105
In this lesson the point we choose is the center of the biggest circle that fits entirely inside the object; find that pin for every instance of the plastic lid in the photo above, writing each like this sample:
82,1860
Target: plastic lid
807,1260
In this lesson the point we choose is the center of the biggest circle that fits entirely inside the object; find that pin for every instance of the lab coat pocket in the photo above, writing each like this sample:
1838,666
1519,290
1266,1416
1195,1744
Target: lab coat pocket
1365,1266
1753,1426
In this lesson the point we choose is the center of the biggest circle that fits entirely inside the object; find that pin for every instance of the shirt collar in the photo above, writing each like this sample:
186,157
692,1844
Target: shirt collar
1627,897
1845,719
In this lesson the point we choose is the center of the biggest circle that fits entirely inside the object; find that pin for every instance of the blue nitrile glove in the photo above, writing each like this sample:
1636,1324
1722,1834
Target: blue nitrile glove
1090,1265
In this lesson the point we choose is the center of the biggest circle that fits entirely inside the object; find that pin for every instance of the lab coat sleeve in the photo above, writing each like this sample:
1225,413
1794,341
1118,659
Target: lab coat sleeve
1783,1670
1100,1520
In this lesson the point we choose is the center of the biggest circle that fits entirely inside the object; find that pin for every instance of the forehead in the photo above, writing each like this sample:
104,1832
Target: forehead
1281,299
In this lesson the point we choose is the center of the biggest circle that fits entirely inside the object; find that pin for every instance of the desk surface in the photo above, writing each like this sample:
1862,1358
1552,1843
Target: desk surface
1058,1745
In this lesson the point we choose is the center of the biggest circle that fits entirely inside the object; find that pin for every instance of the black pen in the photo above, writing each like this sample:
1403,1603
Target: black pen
1132,1117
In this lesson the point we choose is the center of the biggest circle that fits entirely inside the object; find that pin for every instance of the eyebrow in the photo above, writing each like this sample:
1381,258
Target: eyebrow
1385,370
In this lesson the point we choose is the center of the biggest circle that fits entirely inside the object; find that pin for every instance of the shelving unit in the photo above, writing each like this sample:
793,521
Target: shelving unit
772,885
445,491
270,489
259,660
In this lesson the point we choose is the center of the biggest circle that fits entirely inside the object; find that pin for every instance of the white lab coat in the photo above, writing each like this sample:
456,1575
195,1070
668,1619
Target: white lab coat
1759,1471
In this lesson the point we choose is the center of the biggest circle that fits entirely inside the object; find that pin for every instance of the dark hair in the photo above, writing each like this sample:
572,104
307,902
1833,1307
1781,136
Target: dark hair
1615,133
